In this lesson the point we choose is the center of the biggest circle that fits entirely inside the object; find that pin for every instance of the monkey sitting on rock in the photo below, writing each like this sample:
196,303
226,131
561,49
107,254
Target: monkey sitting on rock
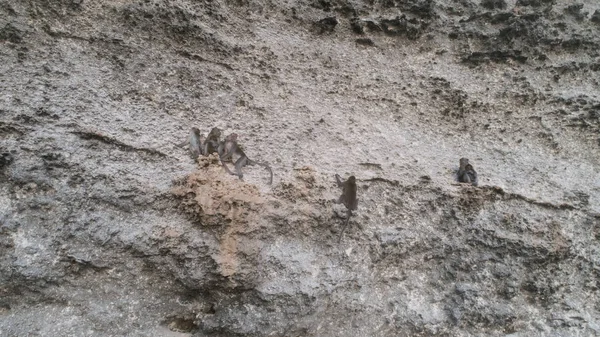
196,143
211,144
466,172
200,145
230,147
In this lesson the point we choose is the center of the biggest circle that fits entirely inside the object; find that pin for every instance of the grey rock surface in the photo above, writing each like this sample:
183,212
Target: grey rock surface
107,228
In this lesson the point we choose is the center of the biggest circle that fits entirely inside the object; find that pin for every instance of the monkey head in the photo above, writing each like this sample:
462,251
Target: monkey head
232,137
216,132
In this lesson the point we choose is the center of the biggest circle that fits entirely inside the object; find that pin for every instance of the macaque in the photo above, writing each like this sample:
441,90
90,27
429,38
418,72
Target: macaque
228,148
211,144
466,172
196,143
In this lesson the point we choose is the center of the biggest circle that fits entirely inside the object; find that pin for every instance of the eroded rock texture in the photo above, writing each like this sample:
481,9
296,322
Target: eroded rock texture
107,228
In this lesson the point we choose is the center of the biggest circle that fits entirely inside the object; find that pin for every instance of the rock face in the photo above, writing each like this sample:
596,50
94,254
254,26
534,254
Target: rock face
109,229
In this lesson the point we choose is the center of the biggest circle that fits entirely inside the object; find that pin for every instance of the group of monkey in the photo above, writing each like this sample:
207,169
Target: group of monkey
226,149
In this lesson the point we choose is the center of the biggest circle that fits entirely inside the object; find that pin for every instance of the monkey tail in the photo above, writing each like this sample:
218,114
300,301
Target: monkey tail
226,168
270,174
348,214
267,167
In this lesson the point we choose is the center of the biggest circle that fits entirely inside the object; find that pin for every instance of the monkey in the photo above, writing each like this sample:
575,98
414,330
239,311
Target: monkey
196,143
211,144
348,198
466,172
228,148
